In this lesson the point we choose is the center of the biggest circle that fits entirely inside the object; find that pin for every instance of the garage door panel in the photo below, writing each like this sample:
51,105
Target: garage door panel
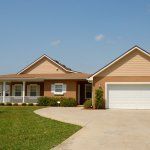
135,96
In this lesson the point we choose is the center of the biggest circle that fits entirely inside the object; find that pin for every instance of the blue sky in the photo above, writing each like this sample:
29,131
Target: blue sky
83,34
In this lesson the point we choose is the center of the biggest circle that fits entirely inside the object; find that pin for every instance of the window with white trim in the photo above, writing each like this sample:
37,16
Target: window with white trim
7,90
58,88
18,90
88,91
33,90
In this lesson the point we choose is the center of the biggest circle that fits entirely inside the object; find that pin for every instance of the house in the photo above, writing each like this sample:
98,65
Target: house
44,77
125,81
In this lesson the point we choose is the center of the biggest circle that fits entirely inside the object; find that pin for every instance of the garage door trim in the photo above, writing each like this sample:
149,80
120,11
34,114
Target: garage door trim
113,83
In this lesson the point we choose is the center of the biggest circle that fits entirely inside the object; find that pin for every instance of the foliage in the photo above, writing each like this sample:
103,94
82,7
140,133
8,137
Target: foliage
53,101
8,104
30,104
68,102
99,98
88,104
24,104
2,104
15,104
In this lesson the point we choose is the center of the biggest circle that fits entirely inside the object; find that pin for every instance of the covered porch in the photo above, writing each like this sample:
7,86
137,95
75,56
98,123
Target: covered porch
21,91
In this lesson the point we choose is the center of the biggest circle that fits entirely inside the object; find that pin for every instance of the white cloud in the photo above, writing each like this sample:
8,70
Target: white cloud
56,43
99,37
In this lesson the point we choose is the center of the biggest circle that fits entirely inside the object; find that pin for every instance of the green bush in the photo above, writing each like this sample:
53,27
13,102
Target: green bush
43,101
99,98
68,102
8,104
24,104
37,104
30,104
88,104
2,104
47,101
52,101
15,104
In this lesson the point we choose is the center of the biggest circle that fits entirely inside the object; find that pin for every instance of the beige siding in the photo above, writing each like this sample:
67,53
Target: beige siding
134,64
44,66
100,81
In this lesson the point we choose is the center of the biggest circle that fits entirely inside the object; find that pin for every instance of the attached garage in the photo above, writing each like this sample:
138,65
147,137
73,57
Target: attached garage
125,81
128,95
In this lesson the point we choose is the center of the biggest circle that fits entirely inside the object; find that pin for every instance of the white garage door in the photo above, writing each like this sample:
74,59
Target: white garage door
128,96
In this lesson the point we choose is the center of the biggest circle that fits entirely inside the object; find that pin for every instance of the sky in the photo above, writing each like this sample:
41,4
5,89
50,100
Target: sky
84,35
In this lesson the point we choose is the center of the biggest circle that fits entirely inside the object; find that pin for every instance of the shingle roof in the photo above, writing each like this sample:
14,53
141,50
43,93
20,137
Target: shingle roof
68,76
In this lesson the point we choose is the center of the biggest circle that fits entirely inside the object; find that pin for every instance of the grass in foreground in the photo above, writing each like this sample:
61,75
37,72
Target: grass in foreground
21,129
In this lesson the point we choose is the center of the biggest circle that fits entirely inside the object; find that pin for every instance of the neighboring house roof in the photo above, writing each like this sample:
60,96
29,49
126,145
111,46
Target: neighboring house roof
69,76
119,58
52,60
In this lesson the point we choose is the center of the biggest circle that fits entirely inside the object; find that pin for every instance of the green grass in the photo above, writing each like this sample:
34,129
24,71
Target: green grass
21,129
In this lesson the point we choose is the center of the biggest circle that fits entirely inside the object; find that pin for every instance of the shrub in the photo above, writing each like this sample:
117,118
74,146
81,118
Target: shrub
43,101
68,102
99,98
52,101
2,104
47,101
8,104
88,104
37,104
24,104
30,104
15,104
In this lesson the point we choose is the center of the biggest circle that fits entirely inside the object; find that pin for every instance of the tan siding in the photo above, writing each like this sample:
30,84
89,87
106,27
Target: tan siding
100,81
44,66
70,90
134,64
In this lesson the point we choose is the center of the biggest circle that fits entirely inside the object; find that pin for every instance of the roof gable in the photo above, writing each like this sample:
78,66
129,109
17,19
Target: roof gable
104,70
44,65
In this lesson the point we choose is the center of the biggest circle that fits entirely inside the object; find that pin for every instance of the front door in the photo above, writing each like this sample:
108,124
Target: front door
84,92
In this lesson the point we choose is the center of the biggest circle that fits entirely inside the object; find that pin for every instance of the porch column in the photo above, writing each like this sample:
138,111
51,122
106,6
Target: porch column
23,91
4,90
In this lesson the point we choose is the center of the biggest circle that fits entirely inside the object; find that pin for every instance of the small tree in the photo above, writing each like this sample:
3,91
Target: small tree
99,98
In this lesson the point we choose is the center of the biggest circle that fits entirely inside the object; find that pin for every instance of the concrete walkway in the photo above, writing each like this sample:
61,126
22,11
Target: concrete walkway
103,129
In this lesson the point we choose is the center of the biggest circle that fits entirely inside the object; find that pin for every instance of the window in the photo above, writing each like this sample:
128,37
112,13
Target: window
88,91
58,88
33,90
18,90
7,90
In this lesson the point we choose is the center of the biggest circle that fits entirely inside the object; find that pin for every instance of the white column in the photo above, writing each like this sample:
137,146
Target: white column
4,91
23,91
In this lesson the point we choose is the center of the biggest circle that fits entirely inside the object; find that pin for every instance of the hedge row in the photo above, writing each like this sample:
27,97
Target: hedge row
16,104
57,101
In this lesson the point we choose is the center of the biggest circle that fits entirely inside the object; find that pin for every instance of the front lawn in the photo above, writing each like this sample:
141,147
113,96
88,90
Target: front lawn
21,129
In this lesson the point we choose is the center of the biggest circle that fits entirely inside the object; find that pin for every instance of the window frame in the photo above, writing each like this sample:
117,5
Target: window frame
58,93
36,91
15,89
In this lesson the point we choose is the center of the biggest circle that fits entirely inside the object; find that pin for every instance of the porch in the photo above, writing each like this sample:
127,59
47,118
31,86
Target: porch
21,92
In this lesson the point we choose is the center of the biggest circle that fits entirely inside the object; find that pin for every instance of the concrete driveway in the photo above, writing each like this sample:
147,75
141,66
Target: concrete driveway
103,129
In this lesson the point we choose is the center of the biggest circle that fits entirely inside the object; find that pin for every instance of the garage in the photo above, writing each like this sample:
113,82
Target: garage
128,95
